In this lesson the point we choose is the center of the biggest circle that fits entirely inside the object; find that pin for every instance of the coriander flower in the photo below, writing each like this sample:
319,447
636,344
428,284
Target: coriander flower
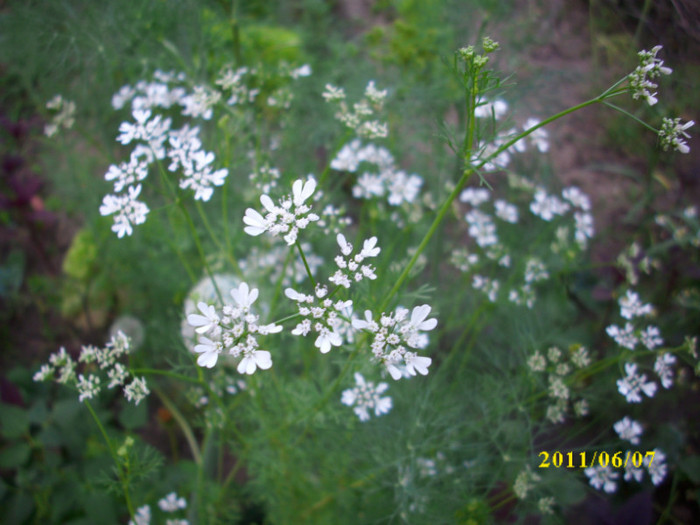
206,322
546,206
209,351
395,334
656,466
663,366
673,134
142,516
127,210
629,430
623,336
171,503
288,218
234,330
474,196
631,306
536,362
137,390
352,269
602,478
366,398
319,314
632,385
651,337
640,79
88,387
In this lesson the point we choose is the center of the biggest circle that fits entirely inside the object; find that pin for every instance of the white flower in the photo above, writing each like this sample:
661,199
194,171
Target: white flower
656,466
88,387
577,198
632,472
474,196
629,430
403,187
416,363
367,398
127,210
171,503
283,219
631,306
633,385
649,68
663,368
547,206
506,212
327,339
256,222
302,190
418,318
254,359
602,477
623,336
651,337
332,93
536,362
204,323
673,134
244,296
137,390
302,71
142,516
209,351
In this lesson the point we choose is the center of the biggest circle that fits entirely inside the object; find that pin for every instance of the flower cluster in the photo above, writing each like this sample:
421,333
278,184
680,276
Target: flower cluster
486,158
486,220
628,429
170,504
683,228
286,219
246,85
632,335
560,378
365,398
606,478
156,139
361,117
673,134
649,69
234,329
351,268
321,315
62,368
395,334
64,116
383,177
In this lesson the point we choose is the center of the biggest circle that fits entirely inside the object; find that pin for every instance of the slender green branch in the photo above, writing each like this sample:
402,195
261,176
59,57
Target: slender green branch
306,264
184,425
630,115
122,478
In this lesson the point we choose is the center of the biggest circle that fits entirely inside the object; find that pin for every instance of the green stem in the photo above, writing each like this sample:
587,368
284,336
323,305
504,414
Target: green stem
184,426
463,181
215,239
630,115
306,265
115,458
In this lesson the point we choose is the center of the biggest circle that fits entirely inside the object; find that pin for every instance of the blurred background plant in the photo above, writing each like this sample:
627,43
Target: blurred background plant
460,445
